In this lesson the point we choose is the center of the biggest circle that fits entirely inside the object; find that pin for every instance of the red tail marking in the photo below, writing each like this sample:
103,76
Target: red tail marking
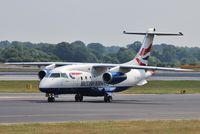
145,50
139,62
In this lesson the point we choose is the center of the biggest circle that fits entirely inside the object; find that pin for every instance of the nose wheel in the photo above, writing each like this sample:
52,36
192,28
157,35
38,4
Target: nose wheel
78,97
51,97
107,98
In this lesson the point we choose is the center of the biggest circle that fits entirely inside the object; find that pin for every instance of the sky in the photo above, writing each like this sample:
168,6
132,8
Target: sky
101,21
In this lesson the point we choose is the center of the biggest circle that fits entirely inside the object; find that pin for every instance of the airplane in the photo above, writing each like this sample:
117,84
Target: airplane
99,79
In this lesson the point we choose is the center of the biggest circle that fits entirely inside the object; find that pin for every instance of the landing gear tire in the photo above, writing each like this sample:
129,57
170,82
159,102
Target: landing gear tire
78,98
51,97
107,98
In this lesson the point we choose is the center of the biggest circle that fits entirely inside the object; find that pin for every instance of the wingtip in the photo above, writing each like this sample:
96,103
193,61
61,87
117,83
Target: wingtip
180,33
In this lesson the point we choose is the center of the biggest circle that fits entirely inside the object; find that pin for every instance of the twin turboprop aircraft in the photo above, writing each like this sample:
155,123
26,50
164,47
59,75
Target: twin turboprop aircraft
96,79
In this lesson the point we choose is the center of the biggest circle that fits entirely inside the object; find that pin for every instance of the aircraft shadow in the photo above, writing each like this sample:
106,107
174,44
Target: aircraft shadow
130,101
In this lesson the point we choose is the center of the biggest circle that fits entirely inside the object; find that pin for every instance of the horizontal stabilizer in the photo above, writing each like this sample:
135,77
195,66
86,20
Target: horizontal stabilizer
156,33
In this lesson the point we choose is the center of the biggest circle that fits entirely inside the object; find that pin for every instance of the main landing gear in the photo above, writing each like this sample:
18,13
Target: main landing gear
78,97
51,97
107,98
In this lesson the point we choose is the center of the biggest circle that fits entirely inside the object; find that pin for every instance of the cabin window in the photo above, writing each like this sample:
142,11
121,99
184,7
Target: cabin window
86,77
55,75
81,78
64,75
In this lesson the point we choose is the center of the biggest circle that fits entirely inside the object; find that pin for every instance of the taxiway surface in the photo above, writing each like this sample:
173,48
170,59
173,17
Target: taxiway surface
15,108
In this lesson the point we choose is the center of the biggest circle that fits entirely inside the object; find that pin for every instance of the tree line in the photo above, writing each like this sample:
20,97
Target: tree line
161,55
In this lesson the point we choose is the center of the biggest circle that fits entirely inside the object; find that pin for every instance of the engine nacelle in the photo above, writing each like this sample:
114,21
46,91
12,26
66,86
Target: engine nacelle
42,74
45,71
114,77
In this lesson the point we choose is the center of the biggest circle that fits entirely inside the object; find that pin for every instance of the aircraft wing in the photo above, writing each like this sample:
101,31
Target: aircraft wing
123,66
99,65
42,63
58,63
154,68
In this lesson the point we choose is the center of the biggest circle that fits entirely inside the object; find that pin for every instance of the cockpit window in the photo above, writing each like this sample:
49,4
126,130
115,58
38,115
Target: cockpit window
64,75
55,75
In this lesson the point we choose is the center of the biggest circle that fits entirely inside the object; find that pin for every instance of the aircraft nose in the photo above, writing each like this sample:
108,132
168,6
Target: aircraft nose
43,86
43,83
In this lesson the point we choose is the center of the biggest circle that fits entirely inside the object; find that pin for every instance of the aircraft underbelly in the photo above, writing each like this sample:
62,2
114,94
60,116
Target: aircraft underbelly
85,91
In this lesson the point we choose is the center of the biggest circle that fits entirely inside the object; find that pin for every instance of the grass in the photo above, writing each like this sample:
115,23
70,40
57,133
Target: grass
105,127
166,87
152,87
19,86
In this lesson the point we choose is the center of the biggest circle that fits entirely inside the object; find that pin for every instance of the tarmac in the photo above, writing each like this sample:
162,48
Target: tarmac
28,108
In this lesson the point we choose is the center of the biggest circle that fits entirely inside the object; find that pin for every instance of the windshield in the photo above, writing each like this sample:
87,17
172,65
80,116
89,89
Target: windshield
58,75
55,75
64,75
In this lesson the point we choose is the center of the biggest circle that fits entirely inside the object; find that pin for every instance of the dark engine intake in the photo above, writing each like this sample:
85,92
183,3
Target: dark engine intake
114,77
42,74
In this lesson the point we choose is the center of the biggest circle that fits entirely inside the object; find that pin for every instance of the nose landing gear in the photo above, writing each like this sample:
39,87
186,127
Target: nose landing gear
51,97
107,98
78,97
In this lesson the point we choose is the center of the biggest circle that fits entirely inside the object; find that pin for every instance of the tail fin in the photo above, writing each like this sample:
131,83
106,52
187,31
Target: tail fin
143,55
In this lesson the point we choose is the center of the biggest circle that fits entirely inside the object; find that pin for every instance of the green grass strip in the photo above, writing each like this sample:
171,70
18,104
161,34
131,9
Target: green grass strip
152,87
166,87
19,86
106,127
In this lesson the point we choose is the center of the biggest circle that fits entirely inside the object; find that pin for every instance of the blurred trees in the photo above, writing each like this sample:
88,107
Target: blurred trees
161,55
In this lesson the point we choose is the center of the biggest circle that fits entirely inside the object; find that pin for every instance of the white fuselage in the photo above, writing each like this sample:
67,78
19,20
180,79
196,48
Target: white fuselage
70,78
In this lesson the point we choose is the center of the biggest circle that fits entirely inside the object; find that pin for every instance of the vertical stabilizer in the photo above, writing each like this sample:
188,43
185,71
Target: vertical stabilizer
143,55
